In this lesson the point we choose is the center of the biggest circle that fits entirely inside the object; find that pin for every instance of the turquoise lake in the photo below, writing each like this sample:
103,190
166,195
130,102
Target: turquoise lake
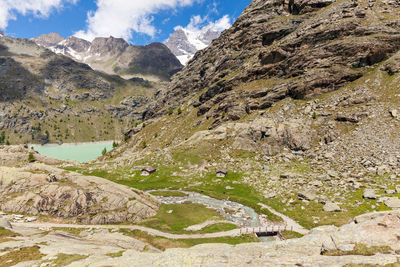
81,152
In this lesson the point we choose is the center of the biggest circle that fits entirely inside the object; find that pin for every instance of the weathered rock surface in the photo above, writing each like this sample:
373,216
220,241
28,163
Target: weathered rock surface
261,135
369,194
18,156
393,202
4,223
39,189
330,207
307,195
375,229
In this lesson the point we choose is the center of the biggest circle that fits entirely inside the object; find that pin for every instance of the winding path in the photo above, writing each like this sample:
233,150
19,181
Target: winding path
288,224
235,232
288,221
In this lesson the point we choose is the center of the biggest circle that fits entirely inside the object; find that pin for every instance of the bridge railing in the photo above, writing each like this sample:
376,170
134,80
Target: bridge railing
265,229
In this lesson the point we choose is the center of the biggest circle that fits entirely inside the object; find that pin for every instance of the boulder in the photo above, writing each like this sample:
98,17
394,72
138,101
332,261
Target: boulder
5,223
381,170
393,202
369,194
394,113
331,207
309,195
269,194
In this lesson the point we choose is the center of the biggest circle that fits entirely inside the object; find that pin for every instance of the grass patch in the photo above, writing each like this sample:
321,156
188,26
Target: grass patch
360,249
315,209
70,230
206,184
290,235
20,255
182,216
218,227
66,259
168,194
6,235
116,254
164,243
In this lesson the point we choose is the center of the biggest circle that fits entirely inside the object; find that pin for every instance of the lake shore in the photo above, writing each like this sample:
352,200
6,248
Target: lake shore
75,144
80,152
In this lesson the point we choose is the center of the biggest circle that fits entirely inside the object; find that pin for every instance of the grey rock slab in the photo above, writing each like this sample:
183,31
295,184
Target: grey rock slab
331,207
307,195
5,223
369,194
393,202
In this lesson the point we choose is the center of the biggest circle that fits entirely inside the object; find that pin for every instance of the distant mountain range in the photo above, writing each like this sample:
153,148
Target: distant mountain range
49,97
184,43
115,56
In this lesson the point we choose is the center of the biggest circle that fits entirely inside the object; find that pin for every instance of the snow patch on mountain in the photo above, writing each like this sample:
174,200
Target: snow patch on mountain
197,35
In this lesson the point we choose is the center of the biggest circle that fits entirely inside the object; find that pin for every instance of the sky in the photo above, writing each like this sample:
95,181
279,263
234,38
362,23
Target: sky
138,21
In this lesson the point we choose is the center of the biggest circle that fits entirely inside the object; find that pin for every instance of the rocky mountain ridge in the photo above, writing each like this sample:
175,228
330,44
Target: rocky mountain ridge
115,55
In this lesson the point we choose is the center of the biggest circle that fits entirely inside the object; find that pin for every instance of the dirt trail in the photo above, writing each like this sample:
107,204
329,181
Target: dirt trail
290,223
235,232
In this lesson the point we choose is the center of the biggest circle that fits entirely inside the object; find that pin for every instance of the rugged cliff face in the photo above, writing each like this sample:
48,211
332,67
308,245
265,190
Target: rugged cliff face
297,49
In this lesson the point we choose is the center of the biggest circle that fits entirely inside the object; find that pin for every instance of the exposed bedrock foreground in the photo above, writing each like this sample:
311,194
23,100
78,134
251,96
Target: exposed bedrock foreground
368,239
38,189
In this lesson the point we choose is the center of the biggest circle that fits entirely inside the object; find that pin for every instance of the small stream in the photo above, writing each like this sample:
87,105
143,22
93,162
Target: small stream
234,212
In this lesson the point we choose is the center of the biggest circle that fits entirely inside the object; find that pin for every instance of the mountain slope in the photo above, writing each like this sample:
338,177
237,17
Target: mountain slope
290,52
298,101
49,97
115,56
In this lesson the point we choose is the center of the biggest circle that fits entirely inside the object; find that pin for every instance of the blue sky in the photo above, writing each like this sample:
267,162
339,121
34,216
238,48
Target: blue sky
139,22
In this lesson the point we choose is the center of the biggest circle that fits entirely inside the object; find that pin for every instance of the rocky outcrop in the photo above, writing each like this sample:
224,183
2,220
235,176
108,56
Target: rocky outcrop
261,135
42,190
101,45
49,39
154,59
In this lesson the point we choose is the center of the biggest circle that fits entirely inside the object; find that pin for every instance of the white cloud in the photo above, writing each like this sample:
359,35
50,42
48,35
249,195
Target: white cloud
120,18
39,8
202,24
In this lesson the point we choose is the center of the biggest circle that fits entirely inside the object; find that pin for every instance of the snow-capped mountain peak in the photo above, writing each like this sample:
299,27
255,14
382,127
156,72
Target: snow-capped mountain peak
186,41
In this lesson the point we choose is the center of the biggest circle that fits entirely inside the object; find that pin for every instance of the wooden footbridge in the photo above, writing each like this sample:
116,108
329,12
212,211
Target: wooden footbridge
272,230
